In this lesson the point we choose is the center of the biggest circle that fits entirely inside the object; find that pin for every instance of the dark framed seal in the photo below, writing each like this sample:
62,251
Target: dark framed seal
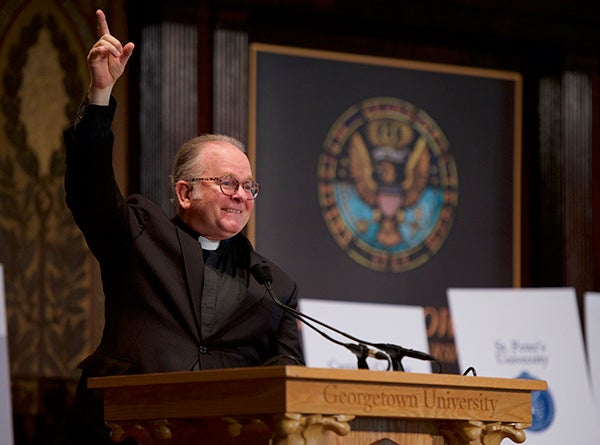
387,184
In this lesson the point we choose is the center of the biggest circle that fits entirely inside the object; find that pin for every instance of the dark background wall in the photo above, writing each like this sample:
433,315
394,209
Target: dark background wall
189,75
554,45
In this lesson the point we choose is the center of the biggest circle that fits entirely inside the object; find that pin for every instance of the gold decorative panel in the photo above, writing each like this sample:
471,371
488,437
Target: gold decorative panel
49,275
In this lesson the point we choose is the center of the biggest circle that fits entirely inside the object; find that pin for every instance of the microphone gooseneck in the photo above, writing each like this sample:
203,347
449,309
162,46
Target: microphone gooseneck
262,274
385,351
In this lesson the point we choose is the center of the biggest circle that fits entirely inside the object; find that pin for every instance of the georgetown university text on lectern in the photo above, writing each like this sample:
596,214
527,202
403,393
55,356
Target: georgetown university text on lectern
293,405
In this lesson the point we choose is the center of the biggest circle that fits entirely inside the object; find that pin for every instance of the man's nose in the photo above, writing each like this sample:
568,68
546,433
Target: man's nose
242,194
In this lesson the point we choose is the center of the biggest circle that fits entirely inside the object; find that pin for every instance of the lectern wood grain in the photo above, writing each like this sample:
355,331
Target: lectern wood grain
311,398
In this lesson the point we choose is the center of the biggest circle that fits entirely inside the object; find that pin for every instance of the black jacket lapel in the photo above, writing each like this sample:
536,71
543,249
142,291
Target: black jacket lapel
193,263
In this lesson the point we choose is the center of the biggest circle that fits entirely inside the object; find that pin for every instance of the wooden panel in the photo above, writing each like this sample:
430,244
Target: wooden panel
296,389
330,374
409,401
199,399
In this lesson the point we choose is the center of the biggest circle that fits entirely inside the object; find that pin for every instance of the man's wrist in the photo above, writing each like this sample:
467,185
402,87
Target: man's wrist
94,117
99,97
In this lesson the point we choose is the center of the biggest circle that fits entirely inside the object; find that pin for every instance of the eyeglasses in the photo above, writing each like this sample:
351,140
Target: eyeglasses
229,185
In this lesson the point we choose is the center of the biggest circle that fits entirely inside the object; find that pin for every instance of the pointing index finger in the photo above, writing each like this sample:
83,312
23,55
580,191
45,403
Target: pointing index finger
102,25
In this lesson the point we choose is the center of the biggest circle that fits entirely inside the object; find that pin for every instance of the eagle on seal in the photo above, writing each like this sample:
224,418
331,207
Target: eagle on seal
389,179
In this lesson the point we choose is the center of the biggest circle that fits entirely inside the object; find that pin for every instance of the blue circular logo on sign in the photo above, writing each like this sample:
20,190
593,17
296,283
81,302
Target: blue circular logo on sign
542,407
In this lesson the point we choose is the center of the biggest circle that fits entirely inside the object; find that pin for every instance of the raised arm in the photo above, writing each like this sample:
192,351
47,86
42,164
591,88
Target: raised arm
92,194
106,62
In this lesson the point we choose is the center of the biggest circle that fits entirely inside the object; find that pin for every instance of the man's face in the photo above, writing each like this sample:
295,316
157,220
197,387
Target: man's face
209,211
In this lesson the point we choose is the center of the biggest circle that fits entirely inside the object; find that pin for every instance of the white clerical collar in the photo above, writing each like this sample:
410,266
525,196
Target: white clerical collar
208,244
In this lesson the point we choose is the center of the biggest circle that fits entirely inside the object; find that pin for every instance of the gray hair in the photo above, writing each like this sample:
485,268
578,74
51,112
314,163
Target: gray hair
187,156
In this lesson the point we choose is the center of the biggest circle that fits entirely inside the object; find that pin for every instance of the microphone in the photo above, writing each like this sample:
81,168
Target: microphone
392,353
397,353
362,349
262,274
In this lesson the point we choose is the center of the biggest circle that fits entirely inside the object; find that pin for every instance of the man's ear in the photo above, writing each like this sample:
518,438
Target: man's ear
184,191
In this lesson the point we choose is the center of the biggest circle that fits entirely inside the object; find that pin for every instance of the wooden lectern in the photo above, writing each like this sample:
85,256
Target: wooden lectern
294,405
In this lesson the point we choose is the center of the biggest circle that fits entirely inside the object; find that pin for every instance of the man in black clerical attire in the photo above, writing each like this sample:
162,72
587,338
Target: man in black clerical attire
178,292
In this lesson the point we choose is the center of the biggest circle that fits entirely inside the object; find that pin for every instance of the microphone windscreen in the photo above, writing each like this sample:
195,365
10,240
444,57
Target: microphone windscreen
261,273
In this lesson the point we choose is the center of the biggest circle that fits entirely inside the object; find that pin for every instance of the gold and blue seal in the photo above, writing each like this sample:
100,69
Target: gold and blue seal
387,184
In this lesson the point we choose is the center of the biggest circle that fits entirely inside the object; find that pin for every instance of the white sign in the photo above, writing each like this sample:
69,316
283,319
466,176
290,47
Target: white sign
6,428
375,323
534,334
592,336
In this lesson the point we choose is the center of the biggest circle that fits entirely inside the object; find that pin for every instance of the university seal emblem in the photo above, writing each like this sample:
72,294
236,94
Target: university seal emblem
387,184
542,406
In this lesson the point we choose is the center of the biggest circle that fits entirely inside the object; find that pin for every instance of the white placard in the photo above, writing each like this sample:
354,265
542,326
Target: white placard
375,323
6,428
530,333
592,335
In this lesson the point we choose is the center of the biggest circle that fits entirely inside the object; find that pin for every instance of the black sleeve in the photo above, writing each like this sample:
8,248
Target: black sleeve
92,194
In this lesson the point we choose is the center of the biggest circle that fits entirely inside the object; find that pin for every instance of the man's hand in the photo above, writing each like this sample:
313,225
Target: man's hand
106,61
